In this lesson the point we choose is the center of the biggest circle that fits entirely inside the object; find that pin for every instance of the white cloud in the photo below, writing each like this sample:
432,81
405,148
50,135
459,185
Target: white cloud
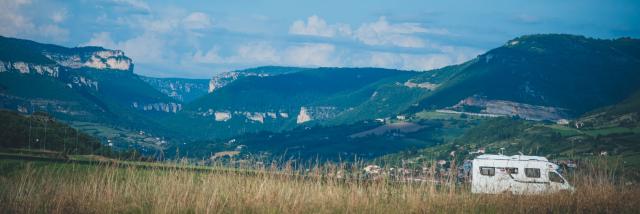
146,48
134,4
378,33
262,53
249,53
527,19
259,52
414,61
59,16
53,31
102,39
16,22
197,20
158,25
174,39
12,20
382,32
159,35
167,24
210,57
311,54
316,26
418,62
327,55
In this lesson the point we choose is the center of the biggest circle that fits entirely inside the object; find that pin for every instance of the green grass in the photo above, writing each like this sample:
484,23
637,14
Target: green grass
564,130
610,131
433,115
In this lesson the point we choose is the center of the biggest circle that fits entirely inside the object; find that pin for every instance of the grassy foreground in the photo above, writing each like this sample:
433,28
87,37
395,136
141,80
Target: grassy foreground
41,187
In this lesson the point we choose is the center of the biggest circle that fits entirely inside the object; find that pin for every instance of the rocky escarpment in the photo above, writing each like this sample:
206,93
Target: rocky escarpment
305,114
88,75
92,57
64,64
423,85
222,79
225,78
253,117
476,104
30,57
81,81
169,107
185,90
52,70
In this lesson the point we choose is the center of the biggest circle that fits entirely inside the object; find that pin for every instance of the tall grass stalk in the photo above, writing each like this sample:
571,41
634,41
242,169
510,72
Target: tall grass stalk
287,188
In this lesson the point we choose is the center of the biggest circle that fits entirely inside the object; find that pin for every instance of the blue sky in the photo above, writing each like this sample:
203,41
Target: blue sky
197,39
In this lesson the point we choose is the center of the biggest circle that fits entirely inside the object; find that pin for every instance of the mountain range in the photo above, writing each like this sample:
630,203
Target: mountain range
332,112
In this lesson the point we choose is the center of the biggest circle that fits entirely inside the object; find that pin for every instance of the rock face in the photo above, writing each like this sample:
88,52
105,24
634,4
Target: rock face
212,86
255,116
424,85
476,104
222,116
184,90
303,116
160,107
28,68
64,64
221,80
306,114
81,81
29,57
316,113
100,59
224,78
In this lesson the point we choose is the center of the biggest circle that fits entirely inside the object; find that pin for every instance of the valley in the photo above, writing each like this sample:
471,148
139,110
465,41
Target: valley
514,97
414,106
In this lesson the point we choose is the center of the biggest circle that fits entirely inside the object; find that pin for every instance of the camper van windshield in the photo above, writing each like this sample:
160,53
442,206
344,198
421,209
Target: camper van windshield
554,177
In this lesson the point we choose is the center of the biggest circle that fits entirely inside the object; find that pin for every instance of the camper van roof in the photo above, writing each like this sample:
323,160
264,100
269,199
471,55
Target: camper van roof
513,157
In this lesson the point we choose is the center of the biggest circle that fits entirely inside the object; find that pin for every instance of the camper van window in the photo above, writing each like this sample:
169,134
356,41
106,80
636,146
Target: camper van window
554,177
488,171
512,170
532,172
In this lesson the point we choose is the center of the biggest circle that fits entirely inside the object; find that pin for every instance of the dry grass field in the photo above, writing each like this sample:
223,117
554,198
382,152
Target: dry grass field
40,187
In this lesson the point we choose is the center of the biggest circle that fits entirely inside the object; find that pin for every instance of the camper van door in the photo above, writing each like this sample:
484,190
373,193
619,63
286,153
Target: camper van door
532,180
557,182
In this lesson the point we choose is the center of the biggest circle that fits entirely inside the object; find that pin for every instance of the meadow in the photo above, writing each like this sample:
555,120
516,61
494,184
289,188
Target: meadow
45,187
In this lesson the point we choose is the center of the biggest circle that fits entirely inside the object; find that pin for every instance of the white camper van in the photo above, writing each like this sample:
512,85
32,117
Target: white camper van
518,174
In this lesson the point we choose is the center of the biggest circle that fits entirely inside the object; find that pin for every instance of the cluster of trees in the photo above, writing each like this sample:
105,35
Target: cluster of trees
39,131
